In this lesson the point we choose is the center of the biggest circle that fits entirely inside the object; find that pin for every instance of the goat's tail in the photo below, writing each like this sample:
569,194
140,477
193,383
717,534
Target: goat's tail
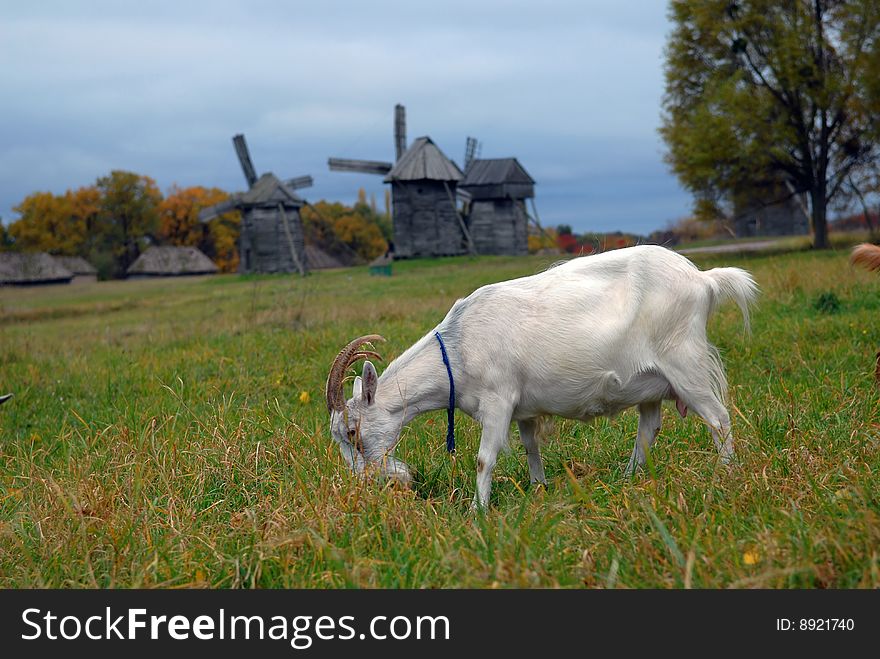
734,284
867,255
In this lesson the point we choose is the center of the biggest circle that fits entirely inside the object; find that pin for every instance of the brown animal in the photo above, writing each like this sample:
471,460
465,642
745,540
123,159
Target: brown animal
867,255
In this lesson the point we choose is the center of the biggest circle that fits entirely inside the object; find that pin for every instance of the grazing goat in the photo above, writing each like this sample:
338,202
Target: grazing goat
587,338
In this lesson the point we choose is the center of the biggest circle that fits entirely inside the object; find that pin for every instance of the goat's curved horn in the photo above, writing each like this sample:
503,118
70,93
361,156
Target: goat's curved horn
346,357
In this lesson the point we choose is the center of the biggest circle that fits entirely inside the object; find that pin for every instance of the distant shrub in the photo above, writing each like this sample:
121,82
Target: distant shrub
827,302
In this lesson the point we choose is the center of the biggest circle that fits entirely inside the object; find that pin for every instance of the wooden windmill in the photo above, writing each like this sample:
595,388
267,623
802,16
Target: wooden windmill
423,181
271,227
497,189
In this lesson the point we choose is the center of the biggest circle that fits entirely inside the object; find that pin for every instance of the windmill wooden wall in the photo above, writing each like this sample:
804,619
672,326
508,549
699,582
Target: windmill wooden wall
271,228
499,226
264,245
426,219
496,216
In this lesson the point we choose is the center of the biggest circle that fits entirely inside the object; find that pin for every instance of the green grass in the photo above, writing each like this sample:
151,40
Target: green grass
157,438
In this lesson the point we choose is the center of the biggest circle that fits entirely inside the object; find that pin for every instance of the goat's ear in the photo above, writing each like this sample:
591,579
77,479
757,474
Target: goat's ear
371,381
358,387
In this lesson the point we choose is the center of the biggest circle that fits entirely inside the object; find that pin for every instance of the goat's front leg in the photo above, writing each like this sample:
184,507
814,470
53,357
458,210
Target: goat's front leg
494,438
527,432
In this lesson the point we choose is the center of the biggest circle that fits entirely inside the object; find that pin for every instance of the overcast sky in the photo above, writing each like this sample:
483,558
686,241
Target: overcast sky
572,89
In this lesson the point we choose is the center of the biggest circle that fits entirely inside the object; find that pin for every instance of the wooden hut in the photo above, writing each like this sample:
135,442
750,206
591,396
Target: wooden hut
83,271
496,213
271,238
171,262
31,269
424,211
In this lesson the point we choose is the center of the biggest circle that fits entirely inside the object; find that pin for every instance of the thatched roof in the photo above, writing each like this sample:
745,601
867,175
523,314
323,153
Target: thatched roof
172,261
77,265
31,268
424,160
318,259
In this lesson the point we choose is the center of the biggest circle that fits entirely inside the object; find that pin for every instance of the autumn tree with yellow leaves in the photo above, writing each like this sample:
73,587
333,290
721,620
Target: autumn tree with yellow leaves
179,224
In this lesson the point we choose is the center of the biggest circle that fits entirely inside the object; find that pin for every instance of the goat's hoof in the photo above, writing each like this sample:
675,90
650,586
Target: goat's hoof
478,508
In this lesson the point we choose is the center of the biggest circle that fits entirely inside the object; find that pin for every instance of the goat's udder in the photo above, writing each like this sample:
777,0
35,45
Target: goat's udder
681,407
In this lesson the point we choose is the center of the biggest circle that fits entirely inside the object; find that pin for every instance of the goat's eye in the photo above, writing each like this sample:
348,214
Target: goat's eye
350,433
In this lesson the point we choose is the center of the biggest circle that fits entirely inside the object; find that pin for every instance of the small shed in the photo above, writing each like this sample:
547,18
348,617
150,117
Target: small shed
171,262
31,269
382,264
496,214
769,209
426,219
82,270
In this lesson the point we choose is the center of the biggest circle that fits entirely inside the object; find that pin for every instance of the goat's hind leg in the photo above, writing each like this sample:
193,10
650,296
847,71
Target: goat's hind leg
649,428
527,433
700,396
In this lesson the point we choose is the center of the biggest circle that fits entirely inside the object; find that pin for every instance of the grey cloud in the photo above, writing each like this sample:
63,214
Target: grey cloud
571,88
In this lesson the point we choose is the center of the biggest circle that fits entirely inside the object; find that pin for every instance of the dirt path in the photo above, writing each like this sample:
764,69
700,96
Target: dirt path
755,246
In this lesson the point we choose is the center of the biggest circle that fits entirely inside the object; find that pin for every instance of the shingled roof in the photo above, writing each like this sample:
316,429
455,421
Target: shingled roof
424,160
172,261
494,171
21,269
268,191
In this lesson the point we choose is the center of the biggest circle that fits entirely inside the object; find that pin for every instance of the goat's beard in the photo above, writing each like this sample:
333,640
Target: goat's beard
386,468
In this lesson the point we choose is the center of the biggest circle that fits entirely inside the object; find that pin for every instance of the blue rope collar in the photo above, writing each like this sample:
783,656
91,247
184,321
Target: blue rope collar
450,411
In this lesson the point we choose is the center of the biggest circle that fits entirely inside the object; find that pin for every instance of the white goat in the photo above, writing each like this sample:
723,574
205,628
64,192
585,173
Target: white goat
587,338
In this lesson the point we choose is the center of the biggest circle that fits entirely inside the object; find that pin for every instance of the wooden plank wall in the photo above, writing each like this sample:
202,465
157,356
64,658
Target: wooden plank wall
499,226
425,222
263,246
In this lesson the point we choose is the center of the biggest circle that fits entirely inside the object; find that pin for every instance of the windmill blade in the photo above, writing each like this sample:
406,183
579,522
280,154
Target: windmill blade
209,213
299,182
470,151
399,131
361,166
244,158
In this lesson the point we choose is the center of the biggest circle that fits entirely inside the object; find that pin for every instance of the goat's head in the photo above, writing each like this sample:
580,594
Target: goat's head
364,430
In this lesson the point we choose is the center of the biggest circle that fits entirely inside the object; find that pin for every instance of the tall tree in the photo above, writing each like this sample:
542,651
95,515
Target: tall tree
84,206
179,224
129,214
44,225
759,91
331,226
59,224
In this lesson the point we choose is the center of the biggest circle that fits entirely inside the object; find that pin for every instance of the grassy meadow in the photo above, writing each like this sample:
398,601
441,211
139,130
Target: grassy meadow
174,434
